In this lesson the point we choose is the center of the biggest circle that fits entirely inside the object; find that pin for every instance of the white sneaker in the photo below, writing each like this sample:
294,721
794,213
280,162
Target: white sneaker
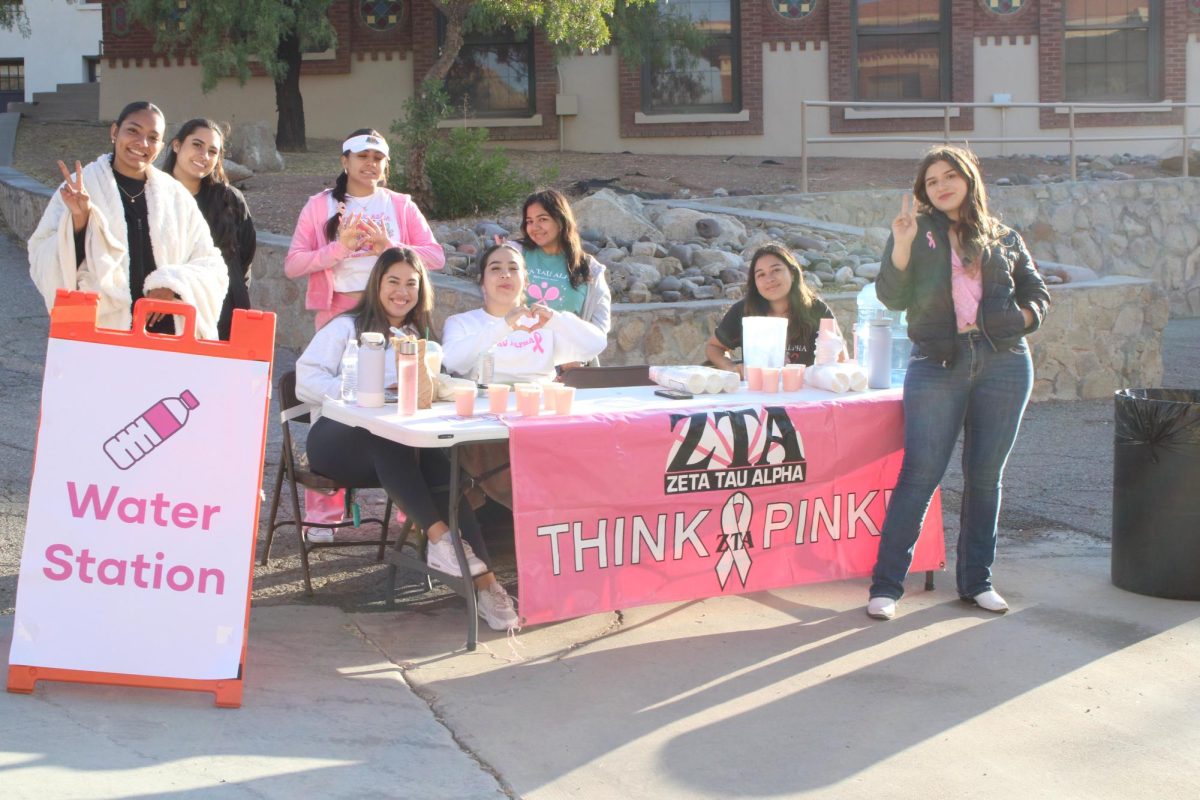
990,601
319,535
881,608
440,555
496,608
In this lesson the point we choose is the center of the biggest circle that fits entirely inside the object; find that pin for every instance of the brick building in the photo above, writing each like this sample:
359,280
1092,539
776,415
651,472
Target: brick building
743,93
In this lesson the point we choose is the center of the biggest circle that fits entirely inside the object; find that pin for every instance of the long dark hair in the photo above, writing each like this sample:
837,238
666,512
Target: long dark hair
135,106
368,312
800,297
559,209
339,186
220,208
221,129
976,226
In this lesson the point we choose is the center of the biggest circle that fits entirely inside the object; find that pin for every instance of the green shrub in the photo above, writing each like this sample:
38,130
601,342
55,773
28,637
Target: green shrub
469,179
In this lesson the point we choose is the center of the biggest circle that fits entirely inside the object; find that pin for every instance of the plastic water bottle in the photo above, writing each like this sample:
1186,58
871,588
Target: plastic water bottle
879,353
869,308
350,371
158,423
370,371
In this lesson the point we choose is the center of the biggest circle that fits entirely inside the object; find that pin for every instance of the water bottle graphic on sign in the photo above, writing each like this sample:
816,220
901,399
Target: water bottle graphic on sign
158,423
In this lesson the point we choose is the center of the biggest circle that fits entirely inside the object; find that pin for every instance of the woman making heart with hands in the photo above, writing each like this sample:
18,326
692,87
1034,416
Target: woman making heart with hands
341,231
527,341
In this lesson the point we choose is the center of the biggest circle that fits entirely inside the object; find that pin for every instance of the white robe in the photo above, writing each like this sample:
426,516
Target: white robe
186,260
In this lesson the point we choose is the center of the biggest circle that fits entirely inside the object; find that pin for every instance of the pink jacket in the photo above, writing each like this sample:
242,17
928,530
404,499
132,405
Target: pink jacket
313,255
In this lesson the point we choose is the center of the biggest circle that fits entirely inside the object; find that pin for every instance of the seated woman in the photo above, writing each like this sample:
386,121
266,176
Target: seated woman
527,342
775,288
125,230
397,295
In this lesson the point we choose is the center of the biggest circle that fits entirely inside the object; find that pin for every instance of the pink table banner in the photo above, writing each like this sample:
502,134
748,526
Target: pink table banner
625,509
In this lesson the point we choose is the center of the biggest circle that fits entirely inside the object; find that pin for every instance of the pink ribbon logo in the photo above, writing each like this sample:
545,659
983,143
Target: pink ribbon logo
536,338
735,538
929,238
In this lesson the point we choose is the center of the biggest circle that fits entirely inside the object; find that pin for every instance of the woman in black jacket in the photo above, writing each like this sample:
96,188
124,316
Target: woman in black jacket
972,292
196,159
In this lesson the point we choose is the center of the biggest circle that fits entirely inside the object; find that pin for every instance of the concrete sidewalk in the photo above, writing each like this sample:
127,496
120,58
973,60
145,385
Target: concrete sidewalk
1081,691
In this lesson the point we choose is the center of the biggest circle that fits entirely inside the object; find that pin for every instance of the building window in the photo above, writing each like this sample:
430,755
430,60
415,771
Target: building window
901,50
380,15
1111,50
493,74
12,81
675,80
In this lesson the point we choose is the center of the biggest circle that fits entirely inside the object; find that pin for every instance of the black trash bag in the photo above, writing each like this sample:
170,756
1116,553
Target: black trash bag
1156,493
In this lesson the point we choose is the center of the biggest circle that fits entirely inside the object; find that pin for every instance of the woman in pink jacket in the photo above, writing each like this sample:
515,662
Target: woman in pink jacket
341,231
339,235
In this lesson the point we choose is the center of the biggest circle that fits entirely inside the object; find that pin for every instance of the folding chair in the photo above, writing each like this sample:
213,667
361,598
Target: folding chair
294,412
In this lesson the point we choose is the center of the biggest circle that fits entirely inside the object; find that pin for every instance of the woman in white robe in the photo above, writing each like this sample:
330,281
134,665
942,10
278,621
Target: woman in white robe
125,230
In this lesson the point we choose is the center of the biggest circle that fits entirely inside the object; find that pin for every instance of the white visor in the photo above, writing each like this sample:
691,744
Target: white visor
356,144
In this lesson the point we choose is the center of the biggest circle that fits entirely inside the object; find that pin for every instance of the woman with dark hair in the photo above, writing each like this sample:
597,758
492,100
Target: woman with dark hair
340,233
342,230
397,294
775,287
972,292
527,342
196,160
125,230
561,275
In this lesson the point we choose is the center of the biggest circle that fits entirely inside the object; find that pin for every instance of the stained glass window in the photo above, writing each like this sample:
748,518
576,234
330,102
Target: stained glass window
380,15
794,9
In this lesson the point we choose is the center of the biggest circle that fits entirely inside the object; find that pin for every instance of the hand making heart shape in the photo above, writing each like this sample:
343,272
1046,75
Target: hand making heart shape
529,318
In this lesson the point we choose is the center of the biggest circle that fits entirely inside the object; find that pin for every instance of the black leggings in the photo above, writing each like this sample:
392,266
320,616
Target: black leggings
356,457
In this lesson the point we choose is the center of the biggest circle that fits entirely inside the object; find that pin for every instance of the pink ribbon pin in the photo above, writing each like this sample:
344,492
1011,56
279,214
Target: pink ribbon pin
929,238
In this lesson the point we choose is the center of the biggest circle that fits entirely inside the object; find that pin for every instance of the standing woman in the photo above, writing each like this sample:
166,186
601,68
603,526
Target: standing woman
196,160
398,295
561,275
341,231
775,287
972,292
125,230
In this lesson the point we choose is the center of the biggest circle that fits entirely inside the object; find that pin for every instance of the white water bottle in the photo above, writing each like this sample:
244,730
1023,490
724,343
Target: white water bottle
370,370
350,371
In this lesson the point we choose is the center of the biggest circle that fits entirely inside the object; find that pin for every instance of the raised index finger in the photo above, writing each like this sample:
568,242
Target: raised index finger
79,174
66,174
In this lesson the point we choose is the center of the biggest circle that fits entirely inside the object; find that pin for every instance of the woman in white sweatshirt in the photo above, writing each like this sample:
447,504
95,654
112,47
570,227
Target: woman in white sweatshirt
398,294
527,342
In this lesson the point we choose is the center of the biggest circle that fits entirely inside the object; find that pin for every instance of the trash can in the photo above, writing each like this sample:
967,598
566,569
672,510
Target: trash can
1156,493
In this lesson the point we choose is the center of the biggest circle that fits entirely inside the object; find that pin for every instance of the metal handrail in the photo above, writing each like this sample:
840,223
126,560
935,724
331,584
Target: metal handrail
1070,140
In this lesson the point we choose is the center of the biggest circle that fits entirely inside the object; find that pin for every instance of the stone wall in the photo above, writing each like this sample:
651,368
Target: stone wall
1100,335
1143,229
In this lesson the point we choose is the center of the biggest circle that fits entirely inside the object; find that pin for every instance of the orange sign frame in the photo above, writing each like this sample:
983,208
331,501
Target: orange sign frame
252,338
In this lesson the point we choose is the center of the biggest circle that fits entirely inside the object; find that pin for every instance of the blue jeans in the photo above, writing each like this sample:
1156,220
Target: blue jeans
983,394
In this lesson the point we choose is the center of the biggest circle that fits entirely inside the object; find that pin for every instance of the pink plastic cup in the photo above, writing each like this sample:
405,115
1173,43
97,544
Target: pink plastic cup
464,400
549,394
770,379
529,399
498,397
563,399
754,378
793,377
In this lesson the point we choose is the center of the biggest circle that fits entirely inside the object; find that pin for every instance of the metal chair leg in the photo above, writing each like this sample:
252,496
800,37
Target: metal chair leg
274,511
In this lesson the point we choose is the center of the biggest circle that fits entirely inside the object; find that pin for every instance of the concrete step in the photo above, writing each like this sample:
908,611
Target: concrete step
71,101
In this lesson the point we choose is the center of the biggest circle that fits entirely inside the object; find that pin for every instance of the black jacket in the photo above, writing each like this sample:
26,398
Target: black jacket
1010,282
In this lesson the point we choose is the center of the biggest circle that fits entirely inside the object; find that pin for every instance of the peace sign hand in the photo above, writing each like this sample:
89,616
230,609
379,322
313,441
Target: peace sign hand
75,196
904,226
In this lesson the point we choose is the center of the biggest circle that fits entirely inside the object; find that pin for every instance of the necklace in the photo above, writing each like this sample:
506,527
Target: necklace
132,197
